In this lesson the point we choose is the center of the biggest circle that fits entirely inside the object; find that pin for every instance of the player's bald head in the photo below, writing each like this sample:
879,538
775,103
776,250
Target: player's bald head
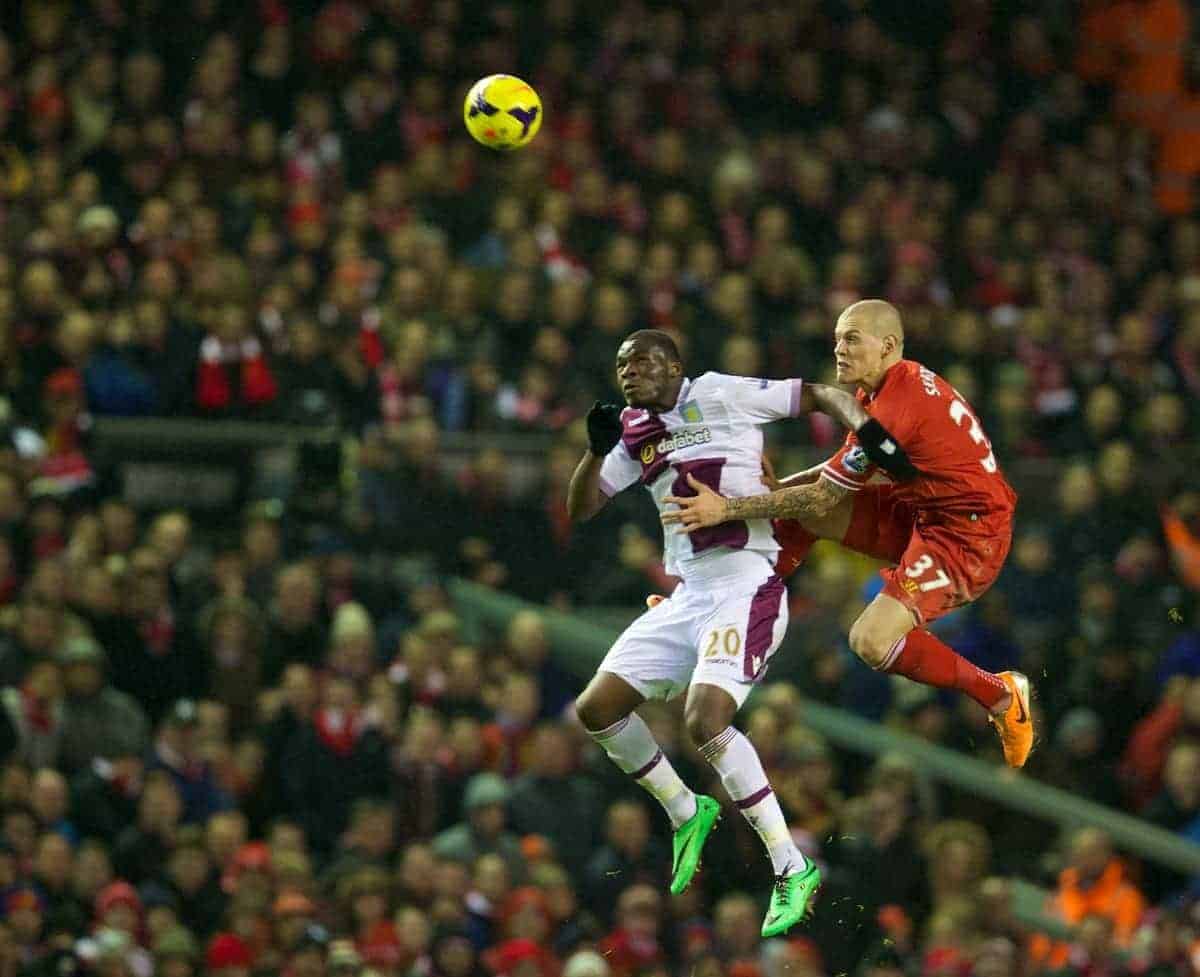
868,341
877,317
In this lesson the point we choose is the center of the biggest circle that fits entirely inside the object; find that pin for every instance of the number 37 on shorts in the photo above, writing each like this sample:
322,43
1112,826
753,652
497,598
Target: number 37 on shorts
929,583
924,575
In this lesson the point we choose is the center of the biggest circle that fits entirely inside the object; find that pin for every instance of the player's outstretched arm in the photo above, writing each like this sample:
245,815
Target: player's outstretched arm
883,449
843,407
708,508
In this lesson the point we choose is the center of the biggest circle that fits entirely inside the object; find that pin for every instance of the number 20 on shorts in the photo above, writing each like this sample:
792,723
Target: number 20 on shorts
920,567
726,640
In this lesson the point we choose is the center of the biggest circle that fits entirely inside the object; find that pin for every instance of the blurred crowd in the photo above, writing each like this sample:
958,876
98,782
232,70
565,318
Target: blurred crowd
253,751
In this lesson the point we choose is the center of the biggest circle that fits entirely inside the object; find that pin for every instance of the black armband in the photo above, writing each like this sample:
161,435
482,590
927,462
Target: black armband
884,451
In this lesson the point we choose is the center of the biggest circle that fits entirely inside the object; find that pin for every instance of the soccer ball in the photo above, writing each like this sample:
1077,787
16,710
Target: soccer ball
502,112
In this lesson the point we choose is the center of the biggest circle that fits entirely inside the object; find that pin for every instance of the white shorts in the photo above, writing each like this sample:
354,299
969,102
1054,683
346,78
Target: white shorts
721,634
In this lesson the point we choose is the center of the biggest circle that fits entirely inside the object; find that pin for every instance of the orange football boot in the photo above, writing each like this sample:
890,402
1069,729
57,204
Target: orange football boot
1015,725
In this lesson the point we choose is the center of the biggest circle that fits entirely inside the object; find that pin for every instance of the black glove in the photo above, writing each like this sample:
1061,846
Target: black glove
884,451
604,428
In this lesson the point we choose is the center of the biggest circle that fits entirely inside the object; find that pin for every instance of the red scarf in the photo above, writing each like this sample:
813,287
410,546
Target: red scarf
158,632
397,394
339,730
38,713
370,343
48,544
214,390
1188,365
380,945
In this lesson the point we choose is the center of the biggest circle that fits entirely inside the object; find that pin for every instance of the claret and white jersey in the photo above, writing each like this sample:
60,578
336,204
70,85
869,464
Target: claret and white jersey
714,434
728,615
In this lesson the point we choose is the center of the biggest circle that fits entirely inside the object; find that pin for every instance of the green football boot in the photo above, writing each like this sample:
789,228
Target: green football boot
790,899
689,840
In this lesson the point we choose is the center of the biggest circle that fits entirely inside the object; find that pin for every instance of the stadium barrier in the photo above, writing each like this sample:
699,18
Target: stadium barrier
209,465
579,645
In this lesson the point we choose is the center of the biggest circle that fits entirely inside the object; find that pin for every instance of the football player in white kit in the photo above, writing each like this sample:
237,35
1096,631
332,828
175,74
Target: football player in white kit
715,635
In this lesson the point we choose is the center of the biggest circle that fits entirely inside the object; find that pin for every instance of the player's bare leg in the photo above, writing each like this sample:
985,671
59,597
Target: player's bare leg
708,716
886,637
606,709
607,699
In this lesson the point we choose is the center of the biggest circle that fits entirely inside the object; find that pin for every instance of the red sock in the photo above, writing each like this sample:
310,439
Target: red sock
923,658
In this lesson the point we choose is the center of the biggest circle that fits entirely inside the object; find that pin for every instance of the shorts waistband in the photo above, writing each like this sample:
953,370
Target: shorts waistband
743,569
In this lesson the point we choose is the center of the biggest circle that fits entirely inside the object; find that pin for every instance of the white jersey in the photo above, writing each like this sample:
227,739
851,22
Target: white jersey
714,434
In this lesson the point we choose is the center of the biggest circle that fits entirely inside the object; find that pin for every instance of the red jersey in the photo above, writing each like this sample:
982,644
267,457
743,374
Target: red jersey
944,440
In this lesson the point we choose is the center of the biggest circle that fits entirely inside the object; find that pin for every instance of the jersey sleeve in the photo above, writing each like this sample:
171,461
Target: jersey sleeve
898,410
618,471
850,468
760,400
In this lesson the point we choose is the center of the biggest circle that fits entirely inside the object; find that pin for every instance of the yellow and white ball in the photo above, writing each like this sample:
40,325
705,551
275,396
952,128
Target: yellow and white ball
502,112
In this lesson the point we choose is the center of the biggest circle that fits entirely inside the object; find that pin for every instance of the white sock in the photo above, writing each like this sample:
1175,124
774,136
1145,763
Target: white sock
735,759
632,747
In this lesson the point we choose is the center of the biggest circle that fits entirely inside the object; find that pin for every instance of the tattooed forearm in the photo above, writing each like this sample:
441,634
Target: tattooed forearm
811,500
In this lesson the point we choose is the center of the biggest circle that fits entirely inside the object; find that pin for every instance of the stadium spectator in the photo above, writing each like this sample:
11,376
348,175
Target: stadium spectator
483,828
635,940
629,855
556,802
176,750
97,720
336,758
1093,885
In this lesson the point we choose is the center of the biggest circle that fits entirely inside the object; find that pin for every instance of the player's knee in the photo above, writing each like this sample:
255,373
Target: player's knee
870,644
706,718
595,712
703,726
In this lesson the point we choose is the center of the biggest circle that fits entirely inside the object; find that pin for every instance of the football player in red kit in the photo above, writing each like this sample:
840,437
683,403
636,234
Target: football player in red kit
946,528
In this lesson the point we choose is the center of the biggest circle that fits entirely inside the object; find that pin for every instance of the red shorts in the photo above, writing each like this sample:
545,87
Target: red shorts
938,565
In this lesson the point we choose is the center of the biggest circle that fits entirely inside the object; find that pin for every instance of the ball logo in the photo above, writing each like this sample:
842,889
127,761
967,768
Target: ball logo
480,105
